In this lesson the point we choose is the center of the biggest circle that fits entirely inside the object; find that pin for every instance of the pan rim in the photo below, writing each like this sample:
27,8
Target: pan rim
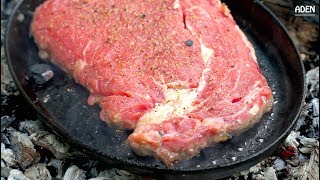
59,130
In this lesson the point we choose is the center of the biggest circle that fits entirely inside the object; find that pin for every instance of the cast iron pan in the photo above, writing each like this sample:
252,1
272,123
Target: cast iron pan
62,103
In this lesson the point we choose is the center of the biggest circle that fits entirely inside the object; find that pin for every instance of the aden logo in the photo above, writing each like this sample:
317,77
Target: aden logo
305,10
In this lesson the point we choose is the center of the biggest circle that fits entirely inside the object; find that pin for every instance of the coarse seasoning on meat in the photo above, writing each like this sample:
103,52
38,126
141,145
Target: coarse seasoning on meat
180,73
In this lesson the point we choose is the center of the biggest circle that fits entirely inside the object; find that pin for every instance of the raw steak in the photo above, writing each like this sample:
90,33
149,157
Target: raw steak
180,73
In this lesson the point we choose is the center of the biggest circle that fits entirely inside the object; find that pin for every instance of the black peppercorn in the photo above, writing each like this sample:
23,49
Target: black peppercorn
189,42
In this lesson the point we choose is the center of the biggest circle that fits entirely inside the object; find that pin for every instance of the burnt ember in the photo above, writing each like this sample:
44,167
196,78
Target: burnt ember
40,74
30,151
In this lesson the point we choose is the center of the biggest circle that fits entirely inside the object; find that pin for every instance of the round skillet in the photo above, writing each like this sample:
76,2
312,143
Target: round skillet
62,103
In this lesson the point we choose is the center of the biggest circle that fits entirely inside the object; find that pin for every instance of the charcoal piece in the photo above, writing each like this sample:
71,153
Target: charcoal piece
6,121
74,172
16,174
38,171
40,74
24,149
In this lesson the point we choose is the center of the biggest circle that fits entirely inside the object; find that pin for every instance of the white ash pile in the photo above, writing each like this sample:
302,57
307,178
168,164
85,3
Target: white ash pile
28,151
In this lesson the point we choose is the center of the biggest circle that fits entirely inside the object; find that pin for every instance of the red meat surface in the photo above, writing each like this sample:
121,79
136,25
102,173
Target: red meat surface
180,73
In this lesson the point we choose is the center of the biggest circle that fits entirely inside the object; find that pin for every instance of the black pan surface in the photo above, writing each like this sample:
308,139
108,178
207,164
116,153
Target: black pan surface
62,103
